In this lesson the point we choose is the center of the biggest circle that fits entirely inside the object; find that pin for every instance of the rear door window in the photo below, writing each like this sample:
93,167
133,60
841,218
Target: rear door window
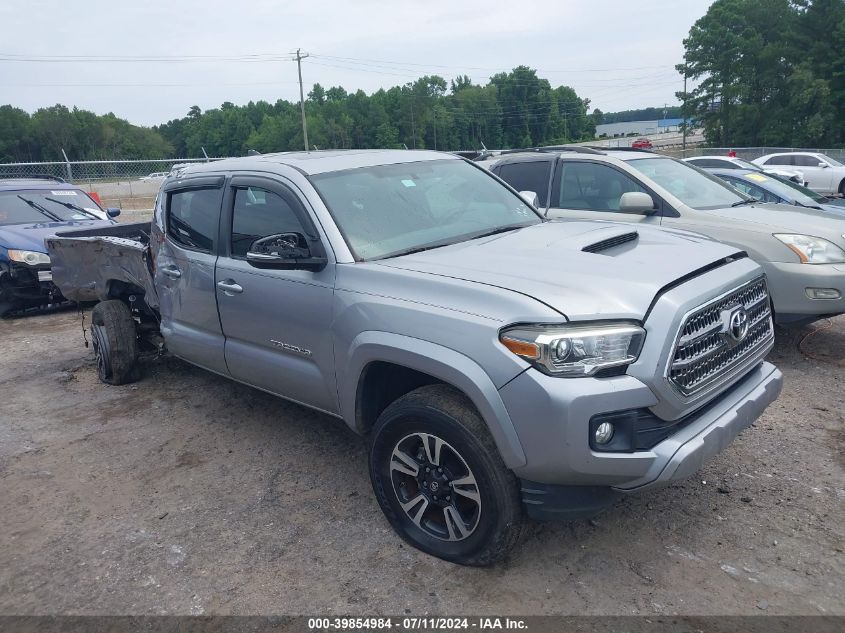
528,176
193,216
806,161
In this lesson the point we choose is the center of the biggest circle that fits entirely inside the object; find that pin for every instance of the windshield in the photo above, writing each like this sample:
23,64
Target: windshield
388,210
14,208
832,161
691,186
802,194
746,165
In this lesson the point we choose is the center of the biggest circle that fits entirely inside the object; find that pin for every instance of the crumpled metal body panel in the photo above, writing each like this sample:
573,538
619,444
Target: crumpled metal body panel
86,263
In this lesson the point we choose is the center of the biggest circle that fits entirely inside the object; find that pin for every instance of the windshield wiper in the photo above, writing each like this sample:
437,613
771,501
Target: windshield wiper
75,207
417,249
501,229
43,210
455,240
743,202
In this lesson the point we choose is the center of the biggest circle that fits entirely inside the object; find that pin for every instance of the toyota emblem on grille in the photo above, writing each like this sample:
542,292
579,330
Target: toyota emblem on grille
737,324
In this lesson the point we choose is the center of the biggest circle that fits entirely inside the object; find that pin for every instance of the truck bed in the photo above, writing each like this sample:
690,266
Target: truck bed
87,263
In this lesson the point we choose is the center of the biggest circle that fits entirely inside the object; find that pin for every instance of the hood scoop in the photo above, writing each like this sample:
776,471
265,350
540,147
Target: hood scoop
610,242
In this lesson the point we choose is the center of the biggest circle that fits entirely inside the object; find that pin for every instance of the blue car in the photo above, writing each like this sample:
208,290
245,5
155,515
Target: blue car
771,188
30,210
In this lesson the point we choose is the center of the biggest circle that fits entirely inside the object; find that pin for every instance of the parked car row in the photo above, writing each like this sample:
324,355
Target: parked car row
733,162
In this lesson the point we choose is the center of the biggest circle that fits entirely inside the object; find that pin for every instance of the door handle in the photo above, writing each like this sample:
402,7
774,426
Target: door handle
229,287
171,271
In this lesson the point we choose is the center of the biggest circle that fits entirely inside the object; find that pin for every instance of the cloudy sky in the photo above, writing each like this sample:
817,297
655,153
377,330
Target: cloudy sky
150,60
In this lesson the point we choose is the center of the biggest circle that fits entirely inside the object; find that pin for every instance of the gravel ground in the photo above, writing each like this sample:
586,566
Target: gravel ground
186,493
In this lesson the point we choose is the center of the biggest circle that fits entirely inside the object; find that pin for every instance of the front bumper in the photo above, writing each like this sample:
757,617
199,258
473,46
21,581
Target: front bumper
23,286
788,284
552,418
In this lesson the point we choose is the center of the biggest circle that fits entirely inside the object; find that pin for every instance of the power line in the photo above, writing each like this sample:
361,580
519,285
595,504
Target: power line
544,70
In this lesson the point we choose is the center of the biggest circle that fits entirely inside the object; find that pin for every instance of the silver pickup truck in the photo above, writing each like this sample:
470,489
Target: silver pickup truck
500,364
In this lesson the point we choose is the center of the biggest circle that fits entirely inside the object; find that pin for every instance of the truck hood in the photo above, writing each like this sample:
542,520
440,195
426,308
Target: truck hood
787,218
30,237
547,263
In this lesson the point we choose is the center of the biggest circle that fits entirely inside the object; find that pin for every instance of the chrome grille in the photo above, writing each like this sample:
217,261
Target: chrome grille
705,352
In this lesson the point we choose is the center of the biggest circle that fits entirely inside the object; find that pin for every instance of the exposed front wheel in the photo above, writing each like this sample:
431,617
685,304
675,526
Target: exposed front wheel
440,481
114,338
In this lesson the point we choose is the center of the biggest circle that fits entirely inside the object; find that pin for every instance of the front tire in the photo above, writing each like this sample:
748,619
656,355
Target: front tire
115,340
440,480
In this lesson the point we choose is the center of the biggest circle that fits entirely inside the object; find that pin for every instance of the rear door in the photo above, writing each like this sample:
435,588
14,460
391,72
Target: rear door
184,273
588,190
277,322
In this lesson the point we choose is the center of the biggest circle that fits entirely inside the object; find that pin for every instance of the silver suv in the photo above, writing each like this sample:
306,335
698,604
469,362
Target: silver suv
801,250
498,363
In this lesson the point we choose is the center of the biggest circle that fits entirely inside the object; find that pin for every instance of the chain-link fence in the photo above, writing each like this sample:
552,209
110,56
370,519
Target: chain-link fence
130,185
749,153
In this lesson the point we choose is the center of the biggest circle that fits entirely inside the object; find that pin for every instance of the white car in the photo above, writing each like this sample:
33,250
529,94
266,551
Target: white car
732,162
822,173
159,175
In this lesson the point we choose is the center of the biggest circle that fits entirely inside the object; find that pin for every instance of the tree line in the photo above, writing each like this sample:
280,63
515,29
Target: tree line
82,134
513,109
771,73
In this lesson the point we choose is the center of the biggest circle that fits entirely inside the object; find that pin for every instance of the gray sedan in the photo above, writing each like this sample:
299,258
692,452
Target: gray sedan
802,250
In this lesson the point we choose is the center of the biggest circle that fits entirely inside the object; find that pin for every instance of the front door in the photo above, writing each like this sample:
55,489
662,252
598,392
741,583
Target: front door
588,190
277,322
184,272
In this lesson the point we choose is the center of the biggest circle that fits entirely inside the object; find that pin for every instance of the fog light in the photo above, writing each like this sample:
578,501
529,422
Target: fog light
823,293
604,432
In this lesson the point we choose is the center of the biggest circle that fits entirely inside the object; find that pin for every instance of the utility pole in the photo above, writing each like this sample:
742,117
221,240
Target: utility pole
684,112
434,112
299,58
413,127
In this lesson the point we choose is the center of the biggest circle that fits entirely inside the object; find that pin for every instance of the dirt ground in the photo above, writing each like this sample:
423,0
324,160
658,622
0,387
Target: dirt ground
186,493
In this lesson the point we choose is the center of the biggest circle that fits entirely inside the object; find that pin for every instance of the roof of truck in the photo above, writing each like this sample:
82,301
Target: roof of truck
322,161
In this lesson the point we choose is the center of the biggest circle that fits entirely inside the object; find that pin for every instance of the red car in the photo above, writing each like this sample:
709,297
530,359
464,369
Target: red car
641,143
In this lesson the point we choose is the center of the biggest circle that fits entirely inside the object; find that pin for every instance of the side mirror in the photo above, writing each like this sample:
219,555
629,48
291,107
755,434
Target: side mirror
823,165
289,251
636,202
531,198
112,212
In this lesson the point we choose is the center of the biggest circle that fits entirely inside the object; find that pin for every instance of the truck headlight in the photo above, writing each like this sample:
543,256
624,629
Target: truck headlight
32,258
812,250
575,350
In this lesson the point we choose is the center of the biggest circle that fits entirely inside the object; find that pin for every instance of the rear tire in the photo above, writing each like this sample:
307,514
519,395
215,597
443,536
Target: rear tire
842,188
467,509
115,340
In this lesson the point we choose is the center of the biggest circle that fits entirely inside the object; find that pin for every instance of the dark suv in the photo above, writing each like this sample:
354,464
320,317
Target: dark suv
30,210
